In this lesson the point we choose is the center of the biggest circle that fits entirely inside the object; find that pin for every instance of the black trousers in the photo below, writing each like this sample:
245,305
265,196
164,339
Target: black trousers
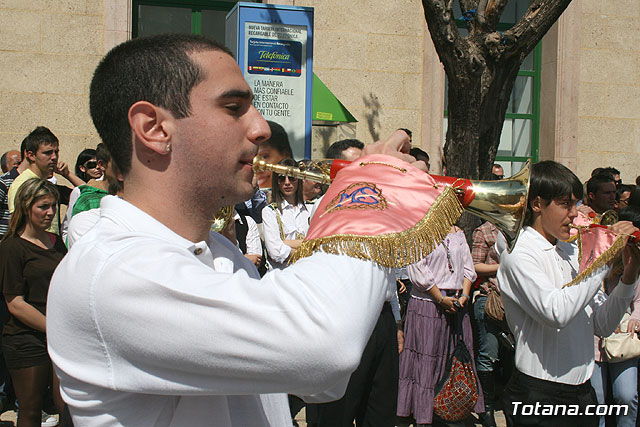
544,402
372,393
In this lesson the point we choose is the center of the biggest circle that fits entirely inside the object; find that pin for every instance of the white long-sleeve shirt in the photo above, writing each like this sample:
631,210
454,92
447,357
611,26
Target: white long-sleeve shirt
252,240
295,222
554,326
146,328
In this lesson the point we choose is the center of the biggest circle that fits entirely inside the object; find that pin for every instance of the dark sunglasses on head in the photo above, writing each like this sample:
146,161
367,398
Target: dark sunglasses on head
281,178
91,164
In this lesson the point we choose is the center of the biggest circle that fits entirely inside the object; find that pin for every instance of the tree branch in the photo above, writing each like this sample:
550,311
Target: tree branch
542,14
493,13
480,13
444,33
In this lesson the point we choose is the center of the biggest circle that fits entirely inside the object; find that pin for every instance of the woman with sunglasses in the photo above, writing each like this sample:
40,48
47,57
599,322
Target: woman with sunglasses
28,257
285,221
87,165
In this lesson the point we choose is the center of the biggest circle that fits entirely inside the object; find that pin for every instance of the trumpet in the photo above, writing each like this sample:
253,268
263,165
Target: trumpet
503,202
222,217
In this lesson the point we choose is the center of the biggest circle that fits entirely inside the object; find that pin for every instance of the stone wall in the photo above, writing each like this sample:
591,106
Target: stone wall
609,103
370,55
48,51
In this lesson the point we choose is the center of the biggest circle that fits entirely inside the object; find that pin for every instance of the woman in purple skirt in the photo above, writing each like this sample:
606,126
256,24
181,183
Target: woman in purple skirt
439,280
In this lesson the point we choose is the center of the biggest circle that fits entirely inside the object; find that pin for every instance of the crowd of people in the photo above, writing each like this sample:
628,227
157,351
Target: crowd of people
153,319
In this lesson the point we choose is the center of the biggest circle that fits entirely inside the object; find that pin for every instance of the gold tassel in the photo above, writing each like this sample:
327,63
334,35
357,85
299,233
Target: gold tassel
393,249
606,257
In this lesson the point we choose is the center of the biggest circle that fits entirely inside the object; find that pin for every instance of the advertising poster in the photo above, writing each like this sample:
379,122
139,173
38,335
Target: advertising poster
275,61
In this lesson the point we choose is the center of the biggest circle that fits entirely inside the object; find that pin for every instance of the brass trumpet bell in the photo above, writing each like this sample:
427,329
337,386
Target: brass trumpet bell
503,203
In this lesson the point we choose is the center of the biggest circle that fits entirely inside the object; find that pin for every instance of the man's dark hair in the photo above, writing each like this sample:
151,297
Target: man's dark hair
600,171
157,69
84,156
37,137
551,180
3,162
594,183
630,213
102,153
335,150
420,154
612,170
623,188
279,140
634,198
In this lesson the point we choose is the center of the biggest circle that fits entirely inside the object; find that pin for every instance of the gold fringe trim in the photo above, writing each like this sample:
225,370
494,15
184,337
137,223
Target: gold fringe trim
393,249
606,257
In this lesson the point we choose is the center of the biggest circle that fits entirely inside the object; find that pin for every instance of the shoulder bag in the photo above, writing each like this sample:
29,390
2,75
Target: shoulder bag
457,392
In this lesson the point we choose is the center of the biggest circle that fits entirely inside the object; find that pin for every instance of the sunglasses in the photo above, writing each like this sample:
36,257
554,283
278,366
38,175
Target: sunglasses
282,178
91,164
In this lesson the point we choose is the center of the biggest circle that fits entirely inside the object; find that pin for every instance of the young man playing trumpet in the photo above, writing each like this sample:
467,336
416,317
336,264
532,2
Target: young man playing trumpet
553,324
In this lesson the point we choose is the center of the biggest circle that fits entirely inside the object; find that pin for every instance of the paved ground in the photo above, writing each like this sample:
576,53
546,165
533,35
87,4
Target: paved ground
8,419
471,421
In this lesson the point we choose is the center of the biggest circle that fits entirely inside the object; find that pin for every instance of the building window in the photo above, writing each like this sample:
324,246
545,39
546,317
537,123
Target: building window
205,17
520,136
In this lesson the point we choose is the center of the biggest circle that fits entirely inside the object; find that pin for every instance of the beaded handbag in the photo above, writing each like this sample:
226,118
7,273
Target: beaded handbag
457,392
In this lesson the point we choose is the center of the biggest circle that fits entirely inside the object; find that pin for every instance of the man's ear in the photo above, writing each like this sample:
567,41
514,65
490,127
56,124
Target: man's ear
537,204
152,126
31,156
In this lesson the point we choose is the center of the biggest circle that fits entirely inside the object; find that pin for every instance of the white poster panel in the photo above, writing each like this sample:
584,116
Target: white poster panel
275,58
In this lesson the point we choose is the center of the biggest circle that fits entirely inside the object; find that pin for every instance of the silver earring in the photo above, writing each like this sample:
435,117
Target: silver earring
167,148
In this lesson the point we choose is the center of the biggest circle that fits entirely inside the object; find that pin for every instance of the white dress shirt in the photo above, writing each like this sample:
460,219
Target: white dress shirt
554,326
295,221
146,328
254,245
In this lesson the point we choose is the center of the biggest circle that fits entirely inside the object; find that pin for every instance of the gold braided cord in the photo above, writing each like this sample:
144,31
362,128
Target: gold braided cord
393,249
605,258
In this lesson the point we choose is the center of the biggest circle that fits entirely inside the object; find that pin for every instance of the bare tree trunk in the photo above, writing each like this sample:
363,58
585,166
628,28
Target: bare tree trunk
482,69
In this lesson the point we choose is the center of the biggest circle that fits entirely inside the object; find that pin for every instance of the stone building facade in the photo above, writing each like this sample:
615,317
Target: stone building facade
375,56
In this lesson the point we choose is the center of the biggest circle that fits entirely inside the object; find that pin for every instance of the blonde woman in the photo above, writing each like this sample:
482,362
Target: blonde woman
28,257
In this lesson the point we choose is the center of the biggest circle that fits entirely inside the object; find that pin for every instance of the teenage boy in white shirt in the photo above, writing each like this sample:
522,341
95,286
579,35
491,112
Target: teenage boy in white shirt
553,325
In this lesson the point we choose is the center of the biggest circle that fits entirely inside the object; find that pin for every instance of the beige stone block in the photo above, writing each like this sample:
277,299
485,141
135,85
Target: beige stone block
96,7
69,114
603,66
72,34
391,119
593,31
71,145
116,15
627,163
20,31
41,73
64,6
394,53
321,13
613,135
19,112
387,89
413,90
11,141
623,34
619,8
114,38
346,85
623,102
591,101
333,49
399,17
53,6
